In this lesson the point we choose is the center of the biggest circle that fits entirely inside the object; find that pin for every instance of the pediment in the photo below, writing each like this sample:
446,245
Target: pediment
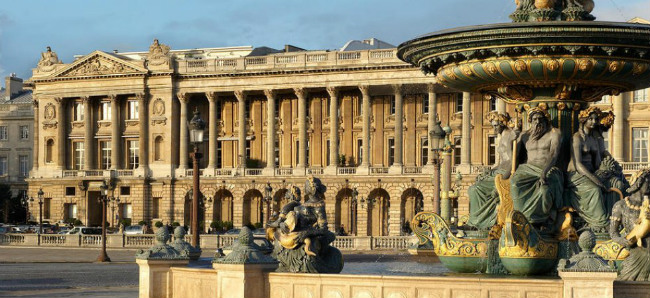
99,63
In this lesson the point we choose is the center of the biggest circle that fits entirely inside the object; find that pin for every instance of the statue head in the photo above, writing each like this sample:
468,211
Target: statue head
640,182
498,121
49,49
245,236
590,118
539,120
162,236
293,194
179,233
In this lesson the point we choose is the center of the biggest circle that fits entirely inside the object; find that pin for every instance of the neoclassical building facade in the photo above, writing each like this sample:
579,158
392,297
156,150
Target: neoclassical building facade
355,119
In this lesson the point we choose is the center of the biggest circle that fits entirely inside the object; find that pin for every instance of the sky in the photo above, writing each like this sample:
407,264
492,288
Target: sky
79,27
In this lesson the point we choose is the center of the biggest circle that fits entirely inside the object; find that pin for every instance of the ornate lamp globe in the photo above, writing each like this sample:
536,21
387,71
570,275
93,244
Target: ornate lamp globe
438,137
40,193
197,127
104,188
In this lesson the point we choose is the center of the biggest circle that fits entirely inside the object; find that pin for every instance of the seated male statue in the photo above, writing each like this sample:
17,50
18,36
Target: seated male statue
536,185
483,196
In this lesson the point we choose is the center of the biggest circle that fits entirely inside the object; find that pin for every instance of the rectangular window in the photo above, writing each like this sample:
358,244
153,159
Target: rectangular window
219,160
126,211
24,132
125,190
492,150
277,152
640,96
459,102
297,152
359,151
3,133
134,110
78,112
23,164
70,191
247,107
155,213
78,155
134,154
248,149
391,151
47,206
424,150
639,144
277,107
308,108
105,154
359,106
392,105
106,110
606,140
3,165
425,103
604,100
327,148
70,210
219,109
457,150
493,103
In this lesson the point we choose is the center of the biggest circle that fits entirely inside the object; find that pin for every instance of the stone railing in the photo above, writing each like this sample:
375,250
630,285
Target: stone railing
253,172
412,170
315,171
297,60
378,170
284,171
346,170
208,241
631,167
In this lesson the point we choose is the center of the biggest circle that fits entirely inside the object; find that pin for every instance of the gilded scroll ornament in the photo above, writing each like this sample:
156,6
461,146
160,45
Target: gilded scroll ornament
520,240
428,226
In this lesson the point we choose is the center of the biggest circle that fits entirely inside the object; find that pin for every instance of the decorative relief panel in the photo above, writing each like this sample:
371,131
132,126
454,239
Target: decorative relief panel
98,65
158,113
50,114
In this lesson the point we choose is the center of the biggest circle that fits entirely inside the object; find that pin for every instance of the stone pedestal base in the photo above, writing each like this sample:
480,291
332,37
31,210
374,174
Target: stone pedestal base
588,284
242,280
155,277
330,170
395,170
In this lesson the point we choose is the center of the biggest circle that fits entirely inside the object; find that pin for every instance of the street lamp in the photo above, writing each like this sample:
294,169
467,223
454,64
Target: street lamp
268,197
353,204
197,127
438,140
40,211
103,199
24,201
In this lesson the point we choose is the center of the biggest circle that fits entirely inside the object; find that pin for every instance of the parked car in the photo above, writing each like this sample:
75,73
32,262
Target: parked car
5,230
85,231
133,230
232,232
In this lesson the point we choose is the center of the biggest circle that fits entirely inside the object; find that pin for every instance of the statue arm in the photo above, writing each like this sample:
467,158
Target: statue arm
576,156
616,224
554,151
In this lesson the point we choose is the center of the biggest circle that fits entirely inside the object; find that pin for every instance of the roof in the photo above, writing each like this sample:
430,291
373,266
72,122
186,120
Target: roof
639,21
24,97
366,44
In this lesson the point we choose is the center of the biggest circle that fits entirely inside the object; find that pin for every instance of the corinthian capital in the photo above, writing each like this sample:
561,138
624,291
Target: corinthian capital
183,97
212,96
270,93
142,97
333,91
240,94
365,89
398,89
300,92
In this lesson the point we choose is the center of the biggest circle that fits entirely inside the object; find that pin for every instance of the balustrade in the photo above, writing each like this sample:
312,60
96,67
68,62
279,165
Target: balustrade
346,170
91,240
631,167
390,242
315,171
253,172
378,170
53,240
412,170
283,171
146,240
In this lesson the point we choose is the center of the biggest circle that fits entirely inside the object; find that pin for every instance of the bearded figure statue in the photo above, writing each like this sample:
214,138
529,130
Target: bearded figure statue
536,186
483,195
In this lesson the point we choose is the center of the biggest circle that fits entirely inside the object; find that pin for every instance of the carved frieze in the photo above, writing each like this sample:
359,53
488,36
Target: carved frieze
50,112
99,65
158,54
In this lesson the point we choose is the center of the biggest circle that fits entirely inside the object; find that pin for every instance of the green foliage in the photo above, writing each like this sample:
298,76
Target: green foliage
176,224
126,222
158,224
342,160
227,225
250,226
258,225
142,223
77,222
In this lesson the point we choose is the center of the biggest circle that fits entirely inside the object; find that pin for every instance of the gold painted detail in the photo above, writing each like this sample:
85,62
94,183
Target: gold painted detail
520,240
639,68
516,93
610,250
428,226
505,205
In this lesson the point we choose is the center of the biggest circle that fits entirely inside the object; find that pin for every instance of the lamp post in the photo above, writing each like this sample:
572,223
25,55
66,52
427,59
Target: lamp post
437,144
40,211
197,127
24,201
448,148
268,192
114,203
103,199
353,216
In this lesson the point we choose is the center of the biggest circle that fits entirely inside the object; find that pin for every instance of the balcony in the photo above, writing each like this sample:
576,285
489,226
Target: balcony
292,60
630,167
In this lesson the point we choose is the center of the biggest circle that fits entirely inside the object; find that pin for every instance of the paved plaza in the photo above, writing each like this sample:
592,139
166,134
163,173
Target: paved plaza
71,272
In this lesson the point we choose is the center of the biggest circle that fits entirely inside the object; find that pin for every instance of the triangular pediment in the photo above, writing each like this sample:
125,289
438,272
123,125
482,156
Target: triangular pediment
99,63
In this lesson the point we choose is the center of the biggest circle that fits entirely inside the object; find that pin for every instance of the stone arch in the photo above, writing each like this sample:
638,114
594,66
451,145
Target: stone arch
411,203
345,213
49,150
187,216
378,203
222,206
279,200
157,148
253,207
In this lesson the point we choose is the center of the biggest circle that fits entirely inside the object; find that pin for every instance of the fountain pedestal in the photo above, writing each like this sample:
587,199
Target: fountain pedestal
588,284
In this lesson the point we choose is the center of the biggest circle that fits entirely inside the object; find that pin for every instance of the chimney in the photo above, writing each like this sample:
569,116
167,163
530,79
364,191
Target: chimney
14,86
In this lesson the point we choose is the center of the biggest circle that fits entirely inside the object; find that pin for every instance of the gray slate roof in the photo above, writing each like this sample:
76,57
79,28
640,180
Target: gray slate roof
25,97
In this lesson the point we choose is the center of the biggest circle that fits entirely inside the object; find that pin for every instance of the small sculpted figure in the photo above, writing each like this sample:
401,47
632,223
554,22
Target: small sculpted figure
48,58
536,186
586,192
483,195
631,215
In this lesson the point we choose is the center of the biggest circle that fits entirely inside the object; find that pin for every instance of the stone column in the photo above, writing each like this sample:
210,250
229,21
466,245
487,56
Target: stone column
396,167
334,130
445,203
144,132
212,130
431,122
35,129
365,106
241,109
116,140
302,129
270,131
466,134
60,133
88,134
183,98
618,136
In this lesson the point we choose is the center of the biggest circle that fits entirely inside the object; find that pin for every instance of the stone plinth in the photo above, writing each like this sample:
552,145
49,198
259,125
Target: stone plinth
588,284
242,280
156,277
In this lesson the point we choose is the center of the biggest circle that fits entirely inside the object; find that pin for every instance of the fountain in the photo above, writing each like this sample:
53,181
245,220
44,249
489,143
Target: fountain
551,62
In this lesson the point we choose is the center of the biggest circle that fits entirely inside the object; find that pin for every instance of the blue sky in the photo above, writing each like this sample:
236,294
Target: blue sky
73,27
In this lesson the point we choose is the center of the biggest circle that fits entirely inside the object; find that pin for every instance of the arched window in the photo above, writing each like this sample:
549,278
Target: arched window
49,147
157,148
